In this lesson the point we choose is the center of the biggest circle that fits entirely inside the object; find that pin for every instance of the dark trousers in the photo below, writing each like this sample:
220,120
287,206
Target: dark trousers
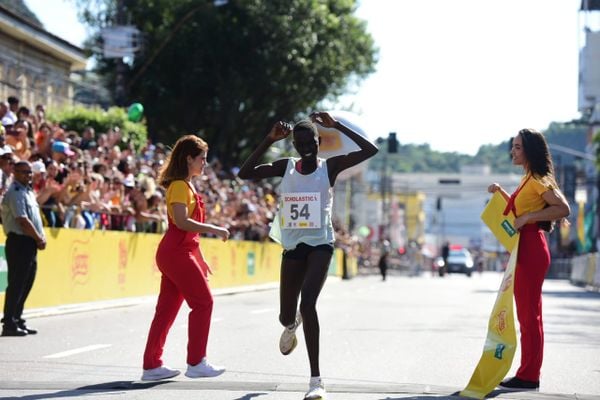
21,259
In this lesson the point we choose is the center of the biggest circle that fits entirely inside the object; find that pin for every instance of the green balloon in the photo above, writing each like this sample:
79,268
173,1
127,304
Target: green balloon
364,231
135,112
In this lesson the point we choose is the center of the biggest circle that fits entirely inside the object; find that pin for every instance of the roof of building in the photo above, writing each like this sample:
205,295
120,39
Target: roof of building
26,31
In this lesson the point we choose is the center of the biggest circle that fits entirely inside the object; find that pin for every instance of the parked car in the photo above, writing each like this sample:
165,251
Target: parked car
459,260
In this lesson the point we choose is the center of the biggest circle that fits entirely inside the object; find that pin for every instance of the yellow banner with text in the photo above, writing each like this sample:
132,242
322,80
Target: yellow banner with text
81,266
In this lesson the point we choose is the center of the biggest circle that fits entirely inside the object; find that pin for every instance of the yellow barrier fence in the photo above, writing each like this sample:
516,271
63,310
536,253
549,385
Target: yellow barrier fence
81,266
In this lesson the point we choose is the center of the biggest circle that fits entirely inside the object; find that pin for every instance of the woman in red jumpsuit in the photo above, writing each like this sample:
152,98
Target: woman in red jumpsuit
536,202
184,271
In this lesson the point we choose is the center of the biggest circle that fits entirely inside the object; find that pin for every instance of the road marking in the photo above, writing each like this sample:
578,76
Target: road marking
261,311
77,351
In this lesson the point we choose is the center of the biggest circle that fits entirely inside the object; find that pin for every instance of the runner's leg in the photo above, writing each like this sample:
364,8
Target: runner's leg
316,274
290,283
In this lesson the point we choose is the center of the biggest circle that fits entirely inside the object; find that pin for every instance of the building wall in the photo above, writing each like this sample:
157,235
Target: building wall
33,76
461,203
589,72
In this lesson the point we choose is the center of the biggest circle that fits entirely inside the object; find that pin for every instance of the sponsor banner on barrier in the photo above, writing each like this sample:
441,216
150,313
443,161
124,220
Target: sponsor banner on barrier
81,266
3,270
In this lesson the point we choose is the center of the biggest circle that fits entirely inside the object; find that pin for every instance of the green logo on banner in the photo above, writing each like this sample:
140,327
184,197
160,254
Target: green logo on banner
250,264
508,228
3,269
499,350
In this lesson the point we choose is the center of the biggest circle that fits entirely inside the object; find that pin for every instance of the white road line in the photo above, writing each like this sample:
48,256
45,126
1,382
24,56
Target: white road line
77,351
261,311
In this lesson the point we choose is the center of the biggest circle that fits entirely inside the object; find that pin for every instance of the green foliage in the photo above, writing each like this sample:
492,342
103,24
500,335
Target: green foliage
229,72
420,158
496,156
78,118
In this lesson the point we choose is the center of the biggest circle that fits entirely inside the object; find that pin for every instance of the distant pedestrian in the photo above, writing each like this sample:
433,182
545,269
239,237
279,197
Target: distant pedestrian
22,223
383,263
445,252
303,225
184,271
536,204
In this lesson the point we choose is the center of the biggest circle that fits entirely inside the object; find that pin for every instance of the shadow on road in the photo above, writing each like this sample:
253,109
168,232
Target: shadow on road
91,389
453,396
423,397
250,396
576,294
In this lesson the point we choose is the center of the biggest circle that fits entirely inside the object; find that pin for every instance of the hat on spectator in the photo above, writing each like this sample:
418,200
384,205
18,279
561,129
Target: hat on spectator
129,181
5,150
62,147
38,167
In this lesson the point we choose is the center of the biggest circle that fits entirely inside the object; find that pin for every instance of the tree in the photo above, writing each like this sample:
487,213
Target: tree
229,70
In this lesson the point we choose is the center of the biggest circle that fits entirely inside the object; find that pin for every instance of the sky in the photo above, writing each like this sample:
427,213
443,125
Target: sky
453,74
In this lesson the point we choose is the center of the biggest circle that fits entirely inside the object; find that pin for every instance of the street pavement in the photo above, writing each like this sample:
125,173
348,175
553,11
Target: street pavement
405,338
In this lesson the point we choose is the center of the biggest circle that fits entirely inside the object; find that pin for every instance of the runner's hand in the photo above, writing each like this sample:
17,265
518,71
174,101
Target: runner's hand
280,130
323,119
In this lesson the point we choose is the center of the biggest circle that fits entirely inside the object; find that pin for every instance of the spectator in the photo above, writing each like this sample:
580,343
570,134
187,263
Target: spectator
88,136
13,104
61,151
10,116
43,139
4,116
7,161
49,197
24,237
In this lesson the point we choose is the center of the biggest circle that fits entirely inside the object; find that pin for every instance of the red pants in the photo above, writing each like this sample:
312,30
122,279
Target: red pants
184,277
532,264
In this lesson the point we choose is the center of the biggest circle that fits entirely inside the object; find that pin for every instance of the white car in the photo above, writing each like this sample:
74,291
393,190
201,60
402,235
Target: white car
459,260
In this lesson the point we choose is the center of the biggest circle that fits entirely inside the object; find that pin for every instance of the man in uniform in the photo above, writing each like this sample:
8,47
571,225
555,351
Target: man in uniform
24,237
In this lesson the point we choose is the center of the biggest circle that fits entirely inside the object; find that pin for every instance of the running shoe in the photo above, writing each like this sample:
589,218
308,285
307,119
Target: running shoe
203,370
316,390
288,341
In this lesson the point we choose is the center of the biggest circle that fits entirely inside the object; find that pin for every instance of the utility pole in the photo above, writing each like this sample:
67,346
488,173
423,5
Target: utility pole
120,68
392,147
382,187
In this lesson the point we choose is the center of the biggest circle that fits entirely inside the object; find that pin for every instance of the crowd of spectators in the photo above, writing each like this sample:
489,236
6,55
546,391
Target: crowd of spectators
95,180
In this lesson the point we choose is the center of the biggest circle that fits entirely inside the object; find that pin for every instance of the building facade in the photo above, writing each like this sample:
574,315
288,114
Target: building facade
35,65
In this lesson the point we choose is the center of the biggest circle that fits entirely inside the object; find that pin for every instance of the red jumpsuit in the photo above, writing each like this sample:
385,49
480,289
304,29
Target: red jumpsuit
184,276
533,262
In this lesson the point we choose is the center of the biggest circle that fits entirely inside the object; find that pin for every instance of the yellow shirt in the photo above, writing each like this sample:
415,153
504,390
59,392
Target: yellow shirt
180,192
530,198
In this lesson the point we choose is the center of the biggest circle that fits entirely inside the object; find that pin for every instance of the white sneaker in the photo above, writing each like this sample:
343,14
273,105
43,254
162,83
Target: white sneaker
162,372
203,370
316,389
288,341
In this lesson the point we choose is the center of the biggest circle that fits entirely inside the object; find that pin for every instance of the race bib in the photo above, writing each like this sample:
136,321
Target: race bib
300,210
